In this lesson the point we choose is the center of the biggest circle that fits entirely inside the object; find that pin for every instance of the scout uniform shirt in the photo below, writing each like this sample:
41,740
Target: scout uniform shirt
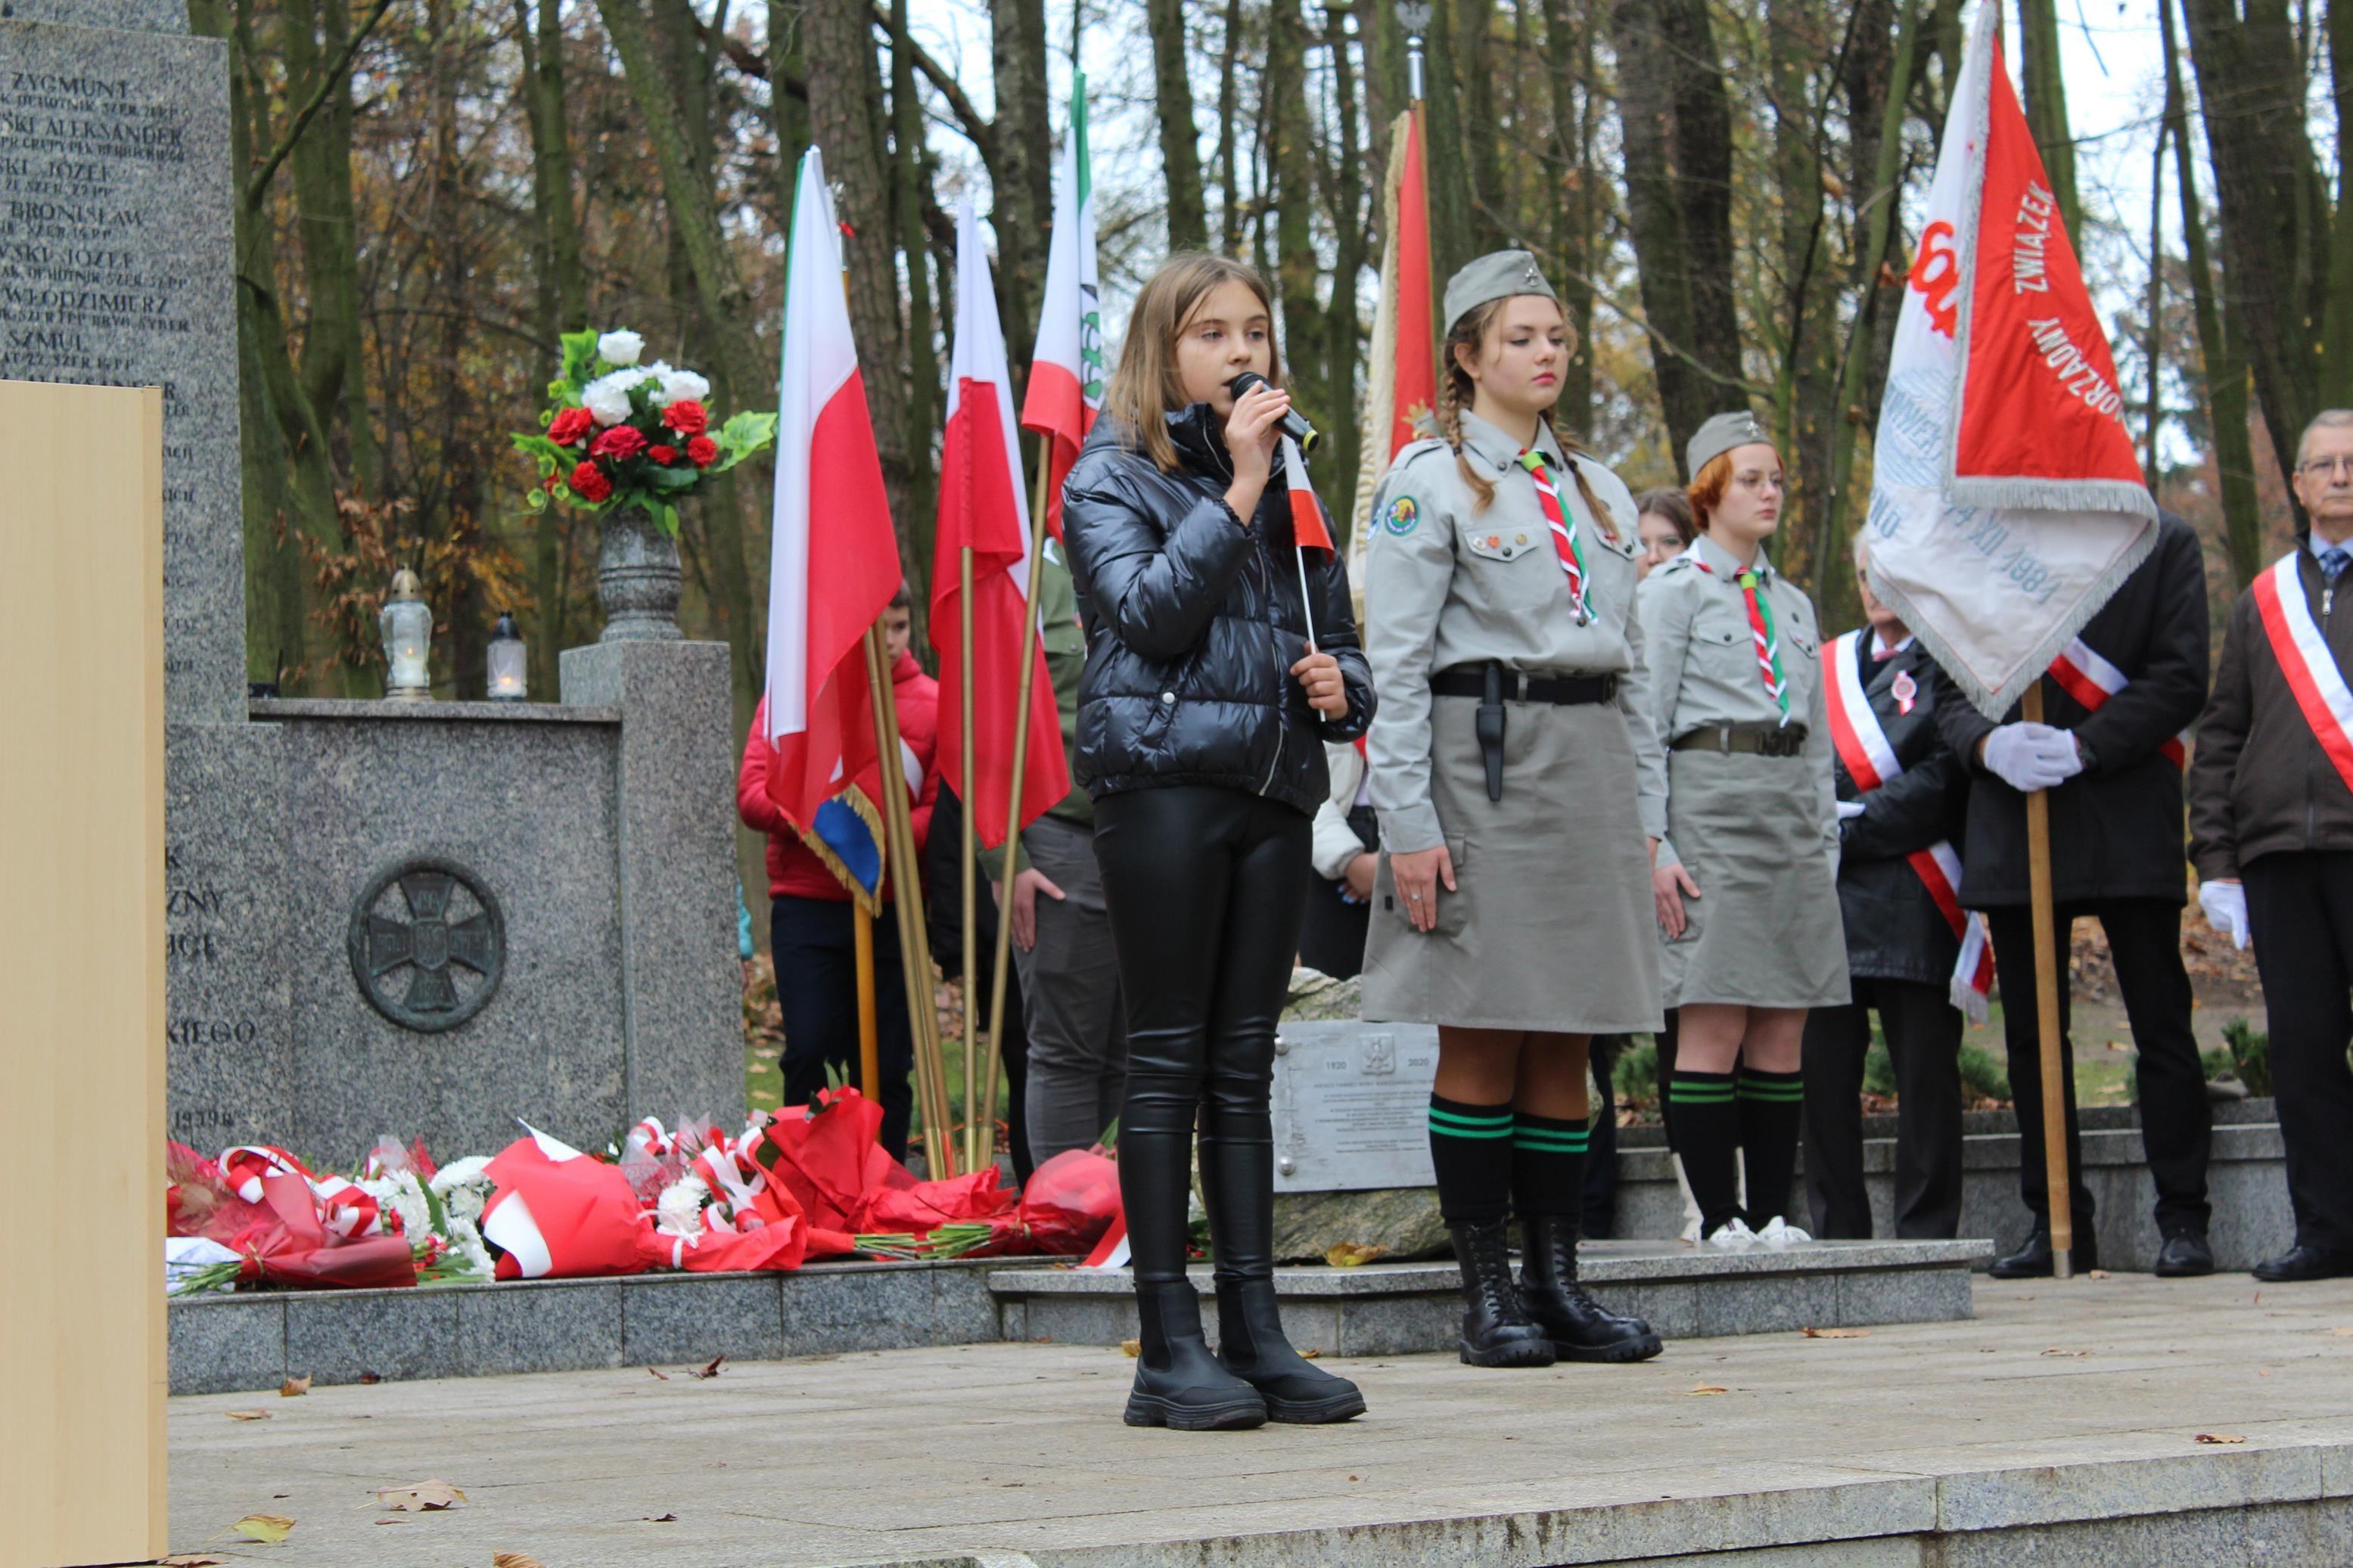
1447,584
1704,669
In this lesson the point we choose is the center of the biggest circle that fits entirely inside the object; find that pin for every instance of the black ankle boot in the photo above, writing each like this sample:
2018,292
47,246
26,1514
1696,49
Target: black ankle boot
1495,1330
1250,1345
1178,1384
1581,1328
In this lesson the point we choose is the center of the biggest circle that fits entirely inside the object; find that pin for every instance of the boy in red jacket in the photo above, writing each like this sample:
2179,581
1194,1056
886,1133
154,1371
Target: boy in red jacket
809,918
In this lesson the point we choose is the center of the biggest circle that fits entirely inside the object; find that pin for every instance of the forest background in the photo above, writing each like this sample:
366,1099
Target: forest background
1724,191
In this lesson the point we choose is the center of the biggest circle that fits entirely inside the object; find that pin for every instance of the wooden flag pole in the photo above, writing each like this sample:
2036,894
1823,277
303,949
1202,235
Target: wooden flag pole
2060,1184
914,944
1013,794
967,791
869,1044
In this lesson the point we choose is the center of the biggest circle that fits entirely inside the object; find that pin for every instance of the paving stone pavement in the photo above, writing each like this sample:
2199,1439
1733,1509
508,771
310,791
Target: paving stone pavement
958,1454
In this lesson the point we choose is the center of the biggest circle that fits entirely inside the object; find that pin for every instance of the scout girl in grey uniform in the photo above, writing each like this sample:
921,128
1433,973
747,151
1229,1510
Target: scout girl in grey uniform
1518,790
1746,882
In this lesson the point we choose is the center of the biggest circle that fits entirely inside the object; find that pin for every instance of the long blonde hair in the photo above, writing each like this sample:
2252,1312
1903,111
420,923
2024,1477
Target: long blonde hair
1455,390
1145,385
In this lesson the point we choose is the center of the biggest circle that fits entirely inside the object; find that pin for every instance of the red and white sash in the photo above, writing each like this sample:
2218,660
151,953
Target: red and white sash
2304,658
1871,762
2091,680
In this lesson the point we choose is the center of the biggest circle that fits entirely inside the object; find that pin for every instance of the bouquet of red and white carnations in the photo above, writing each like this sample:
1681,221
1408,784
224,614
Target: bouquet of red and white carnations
618,433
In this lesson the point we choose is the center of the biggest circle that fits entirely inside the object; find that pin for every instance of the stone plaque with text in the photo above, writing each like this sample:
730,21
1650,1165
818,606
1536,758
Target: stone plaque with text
116,269
1351,1106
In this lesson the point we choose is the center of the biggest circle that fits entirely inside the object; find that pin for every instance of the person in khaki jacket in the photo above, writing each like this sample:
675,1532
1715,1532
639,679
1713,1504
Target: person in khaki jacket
1746,883
1519,793
2271,832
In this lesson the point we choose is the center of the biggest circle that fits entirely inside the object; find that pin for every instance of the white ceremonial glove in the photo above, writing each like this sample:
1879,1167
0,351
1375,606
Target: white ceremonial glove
2225,904
1849,809
2029,757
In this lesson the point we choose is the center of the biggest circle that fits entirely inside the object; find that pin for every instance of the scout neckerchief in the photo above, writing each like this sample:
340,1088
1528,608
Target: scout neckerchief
1761,630
1564,531
1871,762
2091,680
2307,661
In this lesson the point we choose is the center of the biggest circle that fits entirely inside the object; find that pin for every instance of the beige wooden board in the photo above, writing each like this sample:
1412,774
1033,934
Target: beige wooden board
81,965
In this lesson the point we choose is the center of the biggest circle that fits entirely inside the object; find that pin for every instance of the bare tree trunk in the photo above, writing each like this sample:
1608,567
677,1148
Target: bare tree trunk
1180,154
334,376
2224,370
2274,203
1351,246
922,361
2046,106
1228,132
1676,123
1023,173
1451,239
563,299
1473,42
1568,50
1292,159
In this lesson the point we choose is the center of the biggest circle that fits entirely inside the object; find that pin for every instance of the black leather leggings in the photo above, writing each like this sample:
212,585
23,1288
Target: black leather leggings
1206,888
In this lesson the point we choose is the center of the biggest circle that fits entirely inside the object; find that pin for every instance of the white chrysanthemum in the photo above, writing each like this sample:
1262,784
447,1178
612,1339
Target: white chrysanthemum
463,1188
679,1210
400,1197
621,348
465,1244
681,384
608,396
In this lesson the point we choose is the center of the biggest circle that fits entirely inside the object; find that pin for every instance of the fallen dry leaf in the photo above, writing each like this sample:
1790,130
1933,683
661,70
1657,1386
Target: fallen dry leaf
658,1373
1836,1333
664,1519
366,1377
264,1527
1309,1355
1708,1388
2097,1274
1131,1347
515,1559
295,1387
1348,1254
2054,1350
194,1560
2342,1333
422,1496
2220,1437
247,1415
711,1368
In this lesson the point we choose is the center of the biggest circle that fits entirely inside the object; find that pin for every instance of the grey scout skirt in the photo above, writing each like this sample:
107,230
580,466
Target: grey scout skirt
1766,929
1551,927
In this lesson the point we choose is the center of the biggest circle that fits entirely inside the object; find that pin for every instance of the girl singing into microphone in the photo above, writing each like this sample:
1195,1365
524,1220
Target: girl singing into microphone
1202,717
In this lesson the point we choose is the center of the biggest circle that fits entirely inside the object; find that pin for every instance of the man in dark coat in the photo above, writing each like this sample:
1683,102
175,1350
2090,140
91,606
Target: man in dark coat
1900,944
2271,818
2109,757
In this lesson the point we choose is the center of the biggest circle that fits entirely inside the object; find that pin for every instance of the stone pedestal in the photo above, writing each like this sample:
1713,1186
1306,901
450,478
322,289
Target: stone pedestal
674,822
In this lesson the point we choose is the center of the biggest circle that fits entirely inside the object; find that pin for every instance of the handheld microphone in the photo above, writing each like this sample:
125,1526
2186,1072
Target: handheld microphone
1295,425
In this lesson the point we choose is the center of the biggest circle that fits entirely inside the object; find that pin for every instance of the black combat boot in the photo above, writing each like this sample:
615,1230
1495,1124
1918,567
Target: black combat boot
1581,1328
1495,1330
1178,1384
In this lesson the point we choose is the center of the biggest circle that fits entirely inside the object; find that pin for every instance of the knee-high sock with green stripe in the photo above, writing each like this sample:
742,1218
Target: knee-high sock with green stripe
1547,1165
1470,1148
1707,1136
1772,1111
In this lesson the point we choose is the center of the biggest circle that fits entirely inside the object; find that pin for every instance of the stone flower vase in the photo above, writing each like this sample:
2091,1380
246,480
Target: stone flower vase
637,579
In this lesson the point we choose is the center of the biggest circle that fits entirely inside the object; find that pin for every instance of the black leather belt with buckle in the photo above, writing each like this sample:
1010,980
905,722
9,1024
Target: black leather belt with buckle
1785,743
1471,681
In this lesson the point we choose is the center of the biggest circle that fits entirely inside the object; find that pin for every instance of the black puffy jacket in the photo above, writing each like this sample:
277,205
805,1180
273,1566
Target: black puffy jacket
1894,929
1193,624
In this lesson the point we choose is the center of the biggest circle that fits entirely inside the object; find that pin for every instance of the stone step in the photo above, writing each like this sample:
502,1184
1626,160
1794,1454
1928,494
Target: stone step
1398,1308
2246,1184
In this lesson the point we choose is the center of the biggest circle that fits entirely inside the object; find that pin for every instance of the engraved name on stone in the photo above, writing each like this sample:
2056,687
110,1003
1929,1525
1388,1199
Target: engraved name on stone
115,270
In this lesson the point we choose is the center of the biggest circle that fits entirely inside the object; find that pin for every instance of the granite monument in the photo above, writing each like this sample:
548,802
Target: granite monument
417,919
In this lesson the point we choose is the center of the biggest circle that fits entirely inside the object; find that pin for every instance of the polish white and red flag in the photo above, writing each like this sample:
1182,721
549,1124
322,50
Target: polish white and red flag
834,562
2006,500
982,508
1870,760
1066,368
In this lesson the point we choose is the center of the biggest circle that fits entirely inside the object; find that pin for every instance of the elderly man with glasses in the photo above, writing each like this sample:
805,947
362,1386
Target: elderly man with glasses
2271,819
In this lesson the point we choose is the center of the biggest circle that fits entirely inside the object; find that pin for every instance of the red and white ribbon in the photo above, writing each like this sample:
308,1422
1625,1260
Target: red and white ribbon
1871,762
2304,658
2091,680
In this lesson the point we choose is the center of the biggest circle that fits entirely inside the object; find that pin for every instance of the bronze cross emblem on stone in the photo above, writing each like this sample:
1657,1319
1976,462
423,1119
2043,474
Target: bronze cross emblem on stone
428,943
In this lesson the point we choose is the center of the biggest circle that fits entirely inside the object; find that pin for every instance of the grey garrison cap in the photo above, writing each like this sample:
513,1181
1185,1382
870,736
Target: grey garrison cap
1721,435
1498,274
